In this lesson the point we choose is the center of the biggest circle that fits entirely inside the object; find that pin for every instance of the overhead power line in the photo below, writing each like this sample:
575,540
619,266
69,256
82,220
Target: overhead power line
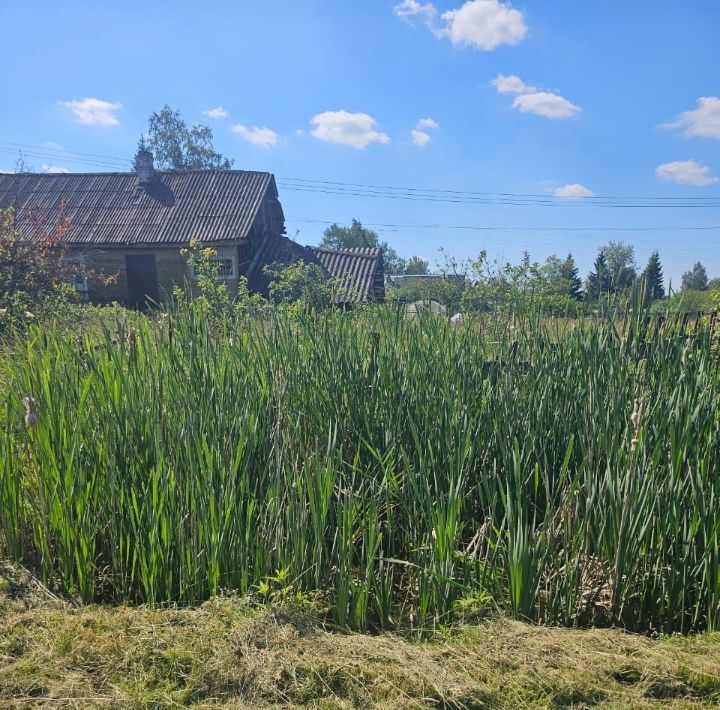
480,194
63,152
385,191
505,228
70,160
550,238
514,202
58,156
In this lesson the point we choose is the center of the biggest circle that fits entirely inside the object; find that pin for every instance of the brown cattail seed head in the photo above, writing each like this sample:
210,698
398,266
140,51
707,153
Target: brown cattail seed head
30,413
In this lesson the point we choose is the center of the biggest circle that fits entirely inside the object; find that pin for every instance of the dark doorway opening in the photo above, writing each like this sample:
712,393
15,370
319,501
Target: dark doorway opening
142,280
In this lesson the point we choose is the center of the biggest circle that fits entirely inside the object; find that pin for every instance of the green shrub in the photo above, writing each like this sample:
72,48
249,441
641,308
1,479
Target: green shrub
688,301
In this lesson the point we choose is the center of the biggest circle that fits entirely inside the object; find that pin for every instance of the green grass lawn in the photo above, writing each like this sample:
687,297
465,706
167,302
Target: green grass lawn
227,653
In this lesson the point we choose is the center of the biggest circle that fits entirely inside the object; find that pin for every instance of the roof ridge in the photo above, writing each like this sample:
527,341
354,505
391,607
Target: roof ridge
132,173
356,251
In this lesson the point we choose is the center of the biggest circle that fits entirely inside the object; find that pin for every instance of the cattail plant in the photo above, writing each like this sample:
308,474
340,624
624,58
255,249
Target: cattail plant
565,471
30,413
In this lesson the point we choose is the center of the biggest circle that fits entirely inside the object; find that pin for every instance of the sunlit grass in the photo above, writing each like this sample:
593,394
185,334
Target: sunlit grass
404,468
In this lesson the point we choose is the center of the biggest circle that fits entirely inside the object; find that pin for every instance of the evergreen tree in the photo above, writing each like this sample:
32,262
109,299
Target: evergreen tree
571,277
652,279
598,281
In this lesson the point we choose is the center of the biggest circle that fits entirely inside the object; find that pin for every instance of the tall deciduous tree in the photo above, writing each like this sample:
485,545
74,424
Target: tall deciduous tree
652,279
696,279
416,265
598,281
621,265
175,146
356,236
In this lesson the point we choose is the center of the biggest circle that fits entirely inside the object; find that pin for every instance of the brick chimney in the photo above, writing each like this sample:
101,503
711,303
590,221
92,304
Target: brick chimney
145,167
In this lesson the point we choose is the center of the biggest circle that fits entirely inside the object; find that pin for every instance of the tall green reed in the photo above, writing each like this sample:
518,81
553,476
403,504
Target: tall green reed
565,469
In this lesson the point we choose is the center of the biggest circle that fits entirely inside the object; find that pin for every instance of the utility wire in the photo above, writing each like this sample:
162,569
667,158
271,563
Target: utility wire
366,190
516,202
63,152
481,194
67,159
562,238
519,229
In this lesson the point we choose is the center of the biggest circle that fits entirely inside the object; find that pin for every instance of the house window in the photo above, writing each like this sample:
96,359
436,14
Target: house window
226,267
77,272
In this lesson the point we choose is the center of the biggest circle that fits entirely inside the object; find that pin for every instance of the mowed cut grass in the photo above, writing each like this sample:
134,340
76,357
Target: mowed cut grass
229,653
411,472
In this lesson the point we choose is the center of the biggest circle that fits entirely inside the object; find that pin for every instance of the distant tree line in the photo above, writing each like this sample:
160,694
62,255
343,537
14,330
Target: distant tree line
555,284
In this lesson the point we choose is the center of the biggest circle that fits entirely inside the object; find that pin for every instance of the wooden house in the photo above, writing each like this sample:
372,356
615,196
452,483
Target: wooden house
134,225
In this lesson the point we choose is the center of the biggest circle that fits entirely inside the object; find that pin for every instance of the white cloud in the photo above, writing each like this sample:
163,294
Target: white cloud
573,190
420,135
218,112
427,123
511,85
420,138
413,8
703,122
53,145
529,99
342,127
480,24
93,112
547,104
264,137
53,169
484,24
686,172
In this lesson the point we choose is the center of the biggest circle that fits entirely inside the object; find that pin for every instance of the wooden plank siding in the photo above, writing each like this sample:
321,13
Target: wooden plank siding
172,270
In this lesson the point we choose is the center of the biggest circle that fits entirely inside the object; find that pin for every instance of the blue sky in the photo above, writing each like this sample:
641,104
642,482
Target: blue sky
540,125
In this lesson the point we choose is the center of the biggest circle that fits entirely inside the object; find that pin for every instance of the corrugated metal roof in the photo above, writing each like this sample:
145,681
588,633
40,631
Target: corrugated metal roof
359,272
356,270
113,208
